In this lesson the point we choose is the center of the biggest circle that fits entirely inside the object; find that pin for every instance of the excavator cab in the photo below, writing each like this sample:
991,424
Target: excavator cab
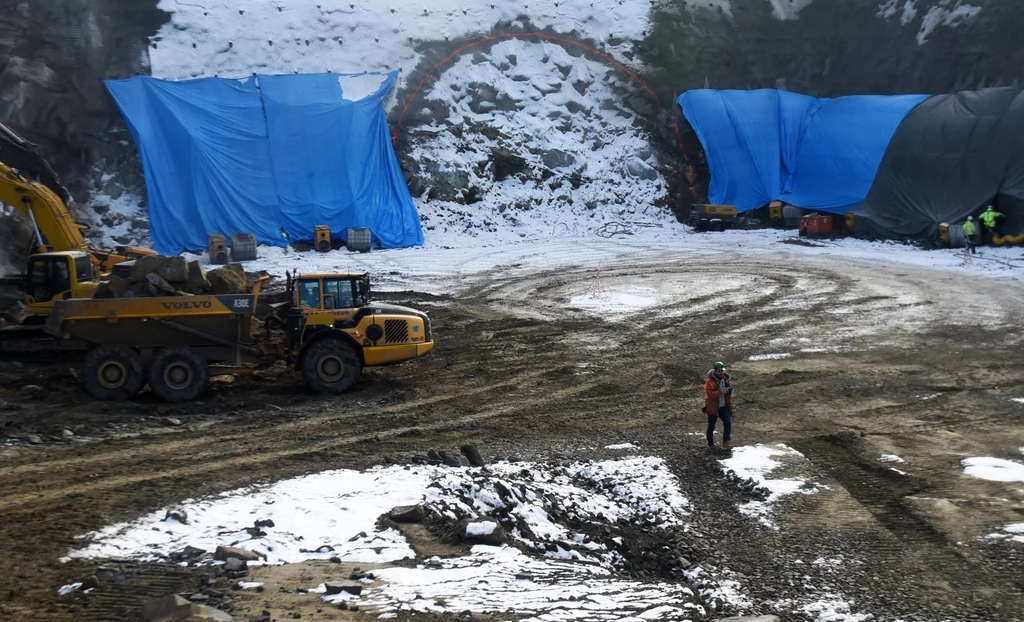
58,276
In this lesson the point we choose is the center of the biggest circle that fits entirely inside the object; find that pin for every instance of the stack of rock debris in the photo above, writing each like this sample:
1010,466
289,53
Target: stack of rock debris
173,276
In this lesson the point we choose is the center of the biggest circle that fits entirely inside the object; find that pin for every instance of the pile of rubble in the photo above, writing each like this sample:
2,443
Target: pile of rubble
173,276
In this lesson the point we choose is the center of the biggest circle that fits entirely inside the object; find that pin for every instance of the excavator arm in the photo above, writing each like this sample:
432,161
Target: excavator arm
54,227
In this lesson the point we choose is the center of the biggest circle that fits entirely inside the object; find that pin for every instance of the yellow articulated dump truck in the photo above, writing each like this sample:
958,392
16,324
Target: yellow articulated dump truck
331,331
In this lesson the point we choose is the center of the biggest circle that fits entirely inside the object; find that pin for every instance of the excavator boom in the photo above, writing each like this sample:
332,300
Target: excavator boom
55,229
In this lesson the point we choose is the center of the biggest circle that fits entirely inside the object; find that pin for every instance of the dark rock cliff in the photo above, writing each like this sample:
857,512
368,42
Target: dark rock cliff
54,55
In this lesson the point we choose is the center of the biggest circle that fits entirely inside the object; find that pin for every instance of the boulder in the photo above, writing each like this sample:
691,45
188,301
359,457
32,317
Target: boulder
161,285
228,280
189,552
16,313
408,514
556,158
179,515
473,454
452,459
166,609
113,287
196,283
506,163
224,552
482,531
170,269
337,587
204,613
233,564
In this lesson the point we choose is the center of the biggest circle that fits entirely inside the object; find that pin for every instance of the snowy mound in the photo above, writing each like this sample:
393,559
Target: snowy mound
532,140
235,38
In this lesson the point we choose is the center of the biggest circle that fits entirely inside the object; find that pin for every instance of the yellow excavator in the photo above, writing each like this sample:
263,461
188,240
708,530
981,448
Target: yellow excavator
61,263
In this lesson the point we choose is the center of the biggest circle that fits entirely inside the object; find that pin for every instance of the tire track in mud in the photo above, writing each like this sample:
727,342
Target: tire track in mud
41,498
301,424
557,382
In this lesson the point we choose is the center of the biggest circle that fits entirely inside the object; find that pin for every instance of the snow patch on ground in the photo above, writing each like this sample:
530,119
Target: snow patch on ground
994,469
314,518
1019,400
526,588
832,608
622,446
588,168
64,590
614,302
235,38
1013,532
316,515
891,458
756,463
770,357
481,528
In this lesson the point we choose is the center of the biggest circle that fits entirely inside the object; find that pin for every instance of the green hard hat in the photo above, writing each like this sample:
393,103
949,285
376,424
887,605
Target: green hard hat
719,365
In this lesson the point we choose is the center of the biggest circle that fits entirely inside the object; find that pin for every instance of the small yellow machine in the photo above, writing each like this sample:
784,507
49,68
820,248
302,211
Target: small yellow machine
322,238
217,247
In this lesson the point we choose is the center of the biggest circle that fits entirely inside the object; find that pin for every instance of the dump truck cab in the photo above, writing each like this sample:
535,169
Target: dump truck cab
58,276
334,329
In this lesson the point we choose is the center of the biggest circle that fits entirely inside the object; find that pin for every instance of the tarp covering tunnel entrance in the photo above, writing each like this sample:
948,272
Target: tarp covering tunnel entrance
267,154
950,157
767,145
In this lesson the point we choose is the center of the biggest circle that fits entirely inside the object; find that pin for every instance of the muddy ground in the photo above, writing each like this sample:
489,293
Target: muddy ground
884,359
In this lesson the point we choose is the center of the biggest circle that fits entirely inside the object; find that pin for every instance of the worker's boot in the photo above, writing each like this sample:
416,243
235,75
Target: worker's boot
726,444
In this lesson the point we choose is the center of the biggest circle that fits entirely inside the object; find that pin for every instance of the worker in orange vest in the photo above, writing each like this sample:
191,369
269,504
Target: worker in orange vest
718,404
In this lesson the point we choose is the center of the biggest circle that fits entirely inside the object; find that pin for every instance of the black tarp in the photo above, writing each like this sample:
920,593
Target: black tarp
949,158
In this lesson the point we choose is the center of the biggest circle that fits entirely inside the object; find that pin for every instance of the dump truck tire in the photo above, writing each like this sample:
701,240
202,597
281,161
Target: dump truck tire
178,374
330,366
113,373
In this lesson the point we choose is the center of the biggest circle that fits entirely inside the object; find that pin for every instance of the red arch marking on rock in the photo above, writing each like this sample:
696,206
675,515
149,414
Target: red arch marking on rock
544,35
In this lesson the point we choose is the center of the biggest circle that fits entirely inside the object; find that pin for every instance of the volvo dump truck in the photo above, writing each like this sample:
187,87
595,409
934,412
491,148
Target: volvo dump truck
331,331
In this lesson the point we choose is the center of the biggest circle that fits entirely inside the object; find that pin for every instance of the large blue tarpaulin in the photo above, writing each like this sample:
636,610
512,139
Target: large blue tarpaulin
271,155
814,153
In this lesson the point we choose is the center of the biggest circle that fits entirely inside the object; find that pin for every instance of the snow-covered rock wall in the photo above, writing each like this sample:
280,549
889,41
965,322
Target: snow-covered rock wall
506,127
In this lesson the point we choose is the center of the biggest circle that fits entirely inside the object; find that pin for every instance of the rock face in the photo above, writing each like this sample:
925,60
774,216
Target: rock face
55,54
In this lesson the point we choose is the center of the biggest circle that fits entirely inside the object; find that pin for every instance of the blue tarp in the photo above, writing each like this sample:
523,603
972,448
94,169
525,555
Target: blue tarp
267,155
815,153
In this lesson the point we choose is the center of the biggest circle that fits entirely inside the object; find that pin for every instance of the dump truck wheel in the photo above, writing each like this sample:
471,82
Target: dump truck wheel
330,366
113,373
178,374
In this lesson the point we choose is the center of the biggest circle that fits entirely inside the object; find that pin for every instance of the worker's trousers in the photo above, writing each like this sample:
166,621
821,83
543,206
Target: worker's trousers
726,416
